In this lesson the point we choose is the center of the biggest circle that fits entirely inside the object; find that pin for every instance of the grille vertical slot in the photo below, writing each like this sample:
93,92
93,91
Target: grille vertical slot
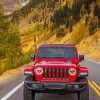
63,73
47,72
55,74
66,73
51,73
59,72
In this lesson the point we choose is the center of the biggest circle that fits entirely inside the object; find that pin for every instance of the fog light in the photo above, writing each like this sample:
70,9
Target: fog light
34,85
69,86
37,85
76,86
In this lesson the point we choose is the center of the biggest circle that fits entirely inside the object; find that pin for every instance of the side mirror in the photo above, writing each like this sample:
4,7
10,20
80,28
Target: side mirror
33,57
81,57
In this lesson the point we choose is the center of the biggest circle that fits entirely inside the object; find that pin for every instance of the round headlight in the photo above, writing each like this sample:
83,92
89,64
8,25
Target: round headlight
72,71
39,71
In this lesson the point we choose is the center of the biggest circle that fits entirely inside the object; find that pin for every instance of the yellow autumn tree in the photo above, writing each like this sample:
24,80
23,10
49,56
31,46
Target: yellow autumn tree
79,32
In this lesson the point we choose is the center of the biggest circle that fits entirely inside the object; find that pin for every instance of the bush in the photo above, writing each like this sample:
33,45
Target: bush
23,60
8,64
50,27
60,32
2,68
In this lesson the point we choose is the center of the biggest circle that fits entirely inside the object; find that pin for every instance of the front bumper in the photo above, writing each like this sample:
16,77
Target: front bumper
51,87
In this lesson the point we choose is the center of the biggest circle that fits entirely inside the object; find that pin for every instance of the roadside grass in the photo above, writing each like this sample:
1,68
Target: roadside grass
10,74
90,46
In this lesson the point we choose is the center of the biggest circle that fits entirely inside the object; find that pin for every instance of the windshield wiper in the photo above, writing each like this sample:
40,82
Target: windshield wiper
58,57
52,57
44,57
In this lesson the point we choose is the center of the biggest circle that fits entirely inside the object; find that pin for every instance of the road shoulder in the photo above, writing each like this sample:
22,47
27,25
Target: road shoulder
11,75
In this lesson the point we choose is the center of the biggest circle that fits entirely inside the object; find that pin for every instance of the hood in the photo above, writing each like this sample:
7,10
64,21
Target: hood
58,61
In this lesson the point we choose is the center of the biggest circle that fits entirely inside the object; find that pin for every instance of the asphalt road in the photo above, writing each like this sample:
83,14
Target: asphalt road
14,89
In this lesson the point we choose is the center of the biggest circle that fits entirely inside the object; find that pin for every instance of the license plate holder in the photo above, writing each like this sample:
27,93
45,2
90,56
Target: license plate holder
54,86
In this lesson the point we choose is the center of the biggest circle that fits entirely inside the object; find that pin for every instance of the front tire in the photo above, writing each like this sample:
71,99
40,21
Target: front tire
28,94
84,95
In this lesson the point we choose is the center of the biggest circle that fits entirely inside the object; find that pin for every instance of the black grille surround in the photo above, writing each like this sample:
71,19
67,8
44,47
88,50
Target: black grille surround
57,73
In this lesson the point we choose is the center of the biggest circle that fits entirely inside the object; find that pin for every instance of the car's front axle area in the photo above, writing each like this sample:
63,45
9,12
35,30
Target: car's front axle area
46,86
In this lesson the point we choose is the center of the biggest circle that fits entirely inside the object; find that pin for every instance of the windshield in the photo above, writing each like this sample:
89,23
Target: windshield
57,53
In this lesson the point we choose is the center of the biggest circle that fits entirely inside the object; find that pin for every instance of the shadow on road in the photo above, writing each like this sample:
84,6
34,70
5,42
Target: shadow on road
56,97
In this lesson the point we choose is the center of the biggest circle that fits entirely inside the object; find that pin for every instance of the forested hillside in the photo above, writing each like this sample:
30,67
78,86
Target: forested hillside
10,50
51,21
57,17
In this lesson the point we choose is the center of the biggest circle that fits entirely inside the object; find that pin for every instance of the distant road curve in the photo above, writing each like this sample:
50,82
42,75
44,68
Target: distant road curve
93,61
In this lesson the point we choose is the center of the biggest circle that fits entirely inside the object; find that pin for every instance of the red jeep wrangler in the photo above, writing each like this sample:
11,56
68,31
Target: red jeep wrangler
56,70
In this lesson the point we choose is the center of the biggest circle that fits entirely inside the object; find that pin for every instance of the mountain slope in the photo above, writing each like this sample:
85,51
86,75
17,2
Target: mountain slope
58,21
12,5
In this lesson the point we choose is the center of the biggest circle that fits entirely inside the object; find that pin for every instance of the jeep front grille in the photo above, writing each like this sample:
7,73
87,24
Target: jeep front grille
55,73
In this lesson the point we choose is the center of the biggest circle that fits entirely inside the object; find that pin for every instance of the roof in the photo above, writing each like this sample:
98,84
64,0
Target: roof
57,45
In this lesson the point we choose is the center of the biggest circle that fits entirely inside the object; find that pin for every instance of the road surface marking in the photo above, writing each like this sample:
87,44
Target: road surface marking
93,61
96,85
12,91
94,88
